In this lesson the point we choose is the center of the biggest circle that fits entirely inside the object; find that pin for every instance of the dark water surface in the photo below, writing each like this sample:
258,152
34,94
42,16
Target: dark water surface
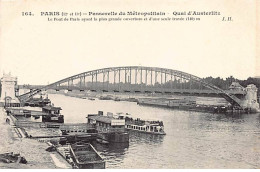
193,140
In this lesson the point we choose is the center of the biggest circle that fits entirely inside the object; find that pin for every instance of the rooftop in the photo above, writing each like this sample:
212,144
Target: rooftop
235,85
52,108
100,118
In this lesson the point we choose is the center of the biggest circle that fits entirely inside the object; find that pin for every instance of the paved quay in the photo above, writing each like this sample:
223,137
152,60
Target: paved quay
33,150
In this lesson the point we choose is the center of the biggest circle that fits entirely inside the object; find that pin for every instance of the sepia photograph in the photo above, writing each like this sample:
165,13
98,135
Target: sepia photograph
129,84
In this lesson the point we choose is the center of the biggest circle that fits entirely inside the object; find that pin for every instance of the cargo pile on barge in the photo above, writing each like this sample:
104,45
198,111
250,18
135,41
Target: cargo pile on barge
37,102
192,105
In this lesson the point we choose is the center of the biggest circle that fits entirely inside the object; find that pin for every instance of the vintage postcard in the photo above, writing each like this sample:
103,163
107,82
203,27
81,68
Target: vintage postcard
129,84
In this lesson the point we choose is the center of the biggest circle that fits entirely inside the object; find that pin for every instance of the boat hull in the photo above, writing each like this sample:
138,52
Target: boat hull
147,132
48,118
113,137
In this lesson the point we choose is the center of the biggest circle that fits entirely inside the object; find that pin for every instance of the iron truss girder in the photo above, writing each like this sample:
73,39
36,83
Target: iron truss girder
157,70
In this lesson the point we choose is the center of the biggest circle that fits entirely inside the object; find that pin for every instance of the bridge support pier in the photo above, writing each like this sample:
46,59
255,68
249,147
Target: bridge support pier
250,99
8,97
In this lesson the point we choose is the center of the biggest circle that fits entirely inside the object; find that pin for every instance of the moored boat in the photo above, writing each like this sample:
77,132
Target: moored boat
108,97
151,127
170,103
145,126
86,157
38,102
19,112
117,99
91,98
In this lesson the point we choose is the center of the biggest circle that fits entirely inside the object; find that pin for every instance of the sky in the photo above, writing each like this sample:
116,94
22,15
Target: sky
41,52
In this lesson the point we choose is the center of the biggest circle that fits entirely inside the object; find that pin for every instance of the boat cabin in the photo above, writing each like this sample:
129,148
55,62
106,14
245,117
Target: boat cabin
146,128
51,110
52,114
154,127
106,123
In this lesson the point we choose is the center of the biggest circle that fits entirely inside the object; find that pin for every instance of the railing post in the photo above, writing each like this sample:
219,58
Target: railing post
181,82
119,79
125,76
161,80
141,79
96,79
175,81
135,76
190,82
171,80
119,75
145,77
141,76
104,80
92,81
151,78
155,77
130,76
84,82
165,78
107,80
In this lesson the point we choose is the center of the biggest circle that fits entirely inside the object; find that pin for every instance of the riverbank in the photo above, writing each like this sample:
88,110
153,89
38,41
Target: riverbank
134,97
178,102
32,150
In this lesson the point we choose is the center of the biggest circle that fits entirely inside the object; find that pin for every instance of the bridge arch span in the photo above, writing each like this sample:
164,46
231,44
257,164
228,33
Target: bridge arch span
131,75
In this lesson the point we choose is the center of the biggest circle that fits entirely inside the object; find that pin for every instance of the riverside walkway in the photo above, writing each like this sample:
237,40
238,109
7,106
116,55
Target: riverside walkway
32,150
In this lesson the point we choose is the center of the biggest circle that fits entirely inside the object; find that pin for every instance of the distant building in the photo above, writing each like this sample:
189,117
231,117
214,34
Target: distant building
236,86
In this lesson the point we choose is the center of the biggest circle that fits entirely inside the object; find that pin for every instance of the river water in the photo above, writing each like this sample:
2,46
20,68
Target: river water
192,140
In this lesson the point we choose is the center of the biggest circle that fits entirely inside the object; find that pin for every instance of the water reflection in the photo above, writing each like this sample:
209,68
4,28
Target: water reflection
237,118
139,137
112,147
257,121
114,153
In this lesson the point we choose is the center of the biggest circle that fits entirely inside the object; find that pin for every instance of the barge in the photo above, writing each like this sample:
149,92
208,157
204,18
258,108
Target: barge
18,112
108,97
91,98
164,102
86,157
191,105
38,102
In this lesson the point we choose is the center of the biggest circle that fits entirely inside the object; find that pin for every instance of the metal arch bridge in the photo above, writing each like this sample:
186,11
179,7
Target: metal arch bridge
133,79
